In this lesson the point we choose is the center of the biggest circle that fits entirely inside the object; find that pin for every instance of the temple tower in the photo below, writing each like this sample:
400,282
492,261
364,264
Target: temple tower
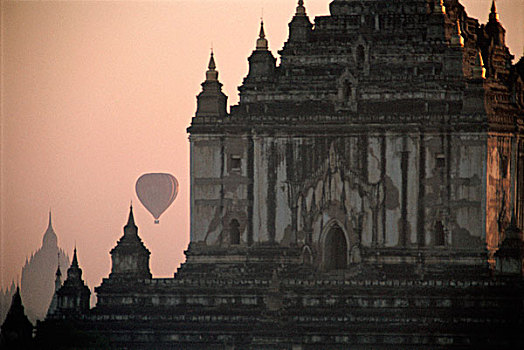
211,101
73,296
130,257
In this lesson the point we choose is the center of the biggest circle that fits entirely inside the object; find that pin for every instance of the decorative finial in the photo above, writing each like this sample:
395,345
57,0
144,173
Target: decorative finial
478,71
74,263
262,34
301,10
262,43
493,15
131,218
212,64
49,235
439,7
456,39
212,74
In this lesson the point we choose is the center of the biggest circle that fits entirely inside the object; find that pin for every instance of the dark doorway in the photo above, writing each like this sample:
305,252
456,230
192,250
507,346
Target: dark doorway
335,249
440,237
234,232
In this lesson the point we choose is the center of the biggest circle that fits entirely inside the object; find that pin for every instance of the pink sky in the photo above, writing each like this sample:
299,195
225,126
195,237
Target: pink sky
94,94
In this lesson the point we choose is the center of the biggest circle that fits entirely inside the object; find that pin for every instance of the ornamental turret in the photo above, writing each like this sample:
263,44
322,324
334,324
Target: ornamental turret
130,257
494,28
73,296
300,27
457,40
262,63
211,102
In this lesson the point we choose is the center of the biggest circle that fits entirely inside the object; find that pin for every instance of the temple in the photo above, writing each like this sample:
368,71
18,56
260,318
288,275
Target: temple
366,193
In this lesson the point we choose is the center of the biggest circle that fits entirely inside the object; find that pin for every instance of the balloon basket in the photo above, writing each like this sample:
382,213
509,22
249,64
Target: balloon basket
157,221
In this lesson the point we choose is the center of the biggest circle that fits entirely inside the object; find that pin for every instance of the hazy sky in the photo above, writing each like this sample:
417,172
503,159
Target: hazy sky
94,94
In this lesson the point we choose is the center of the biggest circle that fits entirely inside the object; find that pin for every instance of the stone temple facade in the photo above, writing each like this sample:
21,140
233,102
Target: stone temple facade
366,193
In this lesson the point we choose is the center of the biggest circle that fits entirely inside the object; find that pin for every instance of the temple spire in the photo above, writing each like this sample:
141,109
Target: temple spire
130,258
493,14
50,237
130,227
262,43
74,262
212,74
212,64
211,102
73,295
131,218
300,27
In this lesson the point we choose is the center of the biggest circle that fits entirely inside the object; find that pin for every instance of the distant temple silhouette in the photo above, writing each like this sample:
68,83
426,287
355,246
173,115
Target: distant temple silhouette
37,286
16,331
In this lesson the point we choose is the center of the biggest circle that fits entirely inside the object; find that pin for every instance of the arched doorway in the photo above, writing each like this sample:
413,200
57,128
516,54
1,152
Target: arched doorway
335,249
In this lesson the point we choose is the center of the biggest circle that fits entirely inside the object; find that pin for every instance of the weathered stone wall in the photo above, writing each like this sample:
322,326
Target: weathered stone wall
383,189
219,188
501,179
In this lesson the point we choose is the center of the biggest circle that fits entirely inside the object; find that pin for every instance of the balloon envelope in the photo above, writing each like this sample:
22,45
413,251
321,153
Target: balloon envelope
156,192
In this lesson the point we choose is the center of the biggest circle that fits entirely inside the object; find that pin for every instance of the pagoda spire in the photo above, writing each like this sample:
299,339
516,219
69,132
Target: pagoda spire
74,262
131,217
493,14
212,74
211,102
261,62
130,257
50,237
262,43
73,295
300,27
130,227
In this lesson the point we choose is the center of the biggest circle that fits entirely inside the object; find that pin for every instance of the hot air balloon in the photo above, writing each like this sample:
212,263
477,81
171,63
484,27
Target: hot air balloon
156,192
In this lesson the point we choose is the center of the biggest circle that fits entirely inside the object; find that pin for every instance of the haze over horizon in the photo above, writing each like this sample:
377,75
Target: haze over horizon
95,94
